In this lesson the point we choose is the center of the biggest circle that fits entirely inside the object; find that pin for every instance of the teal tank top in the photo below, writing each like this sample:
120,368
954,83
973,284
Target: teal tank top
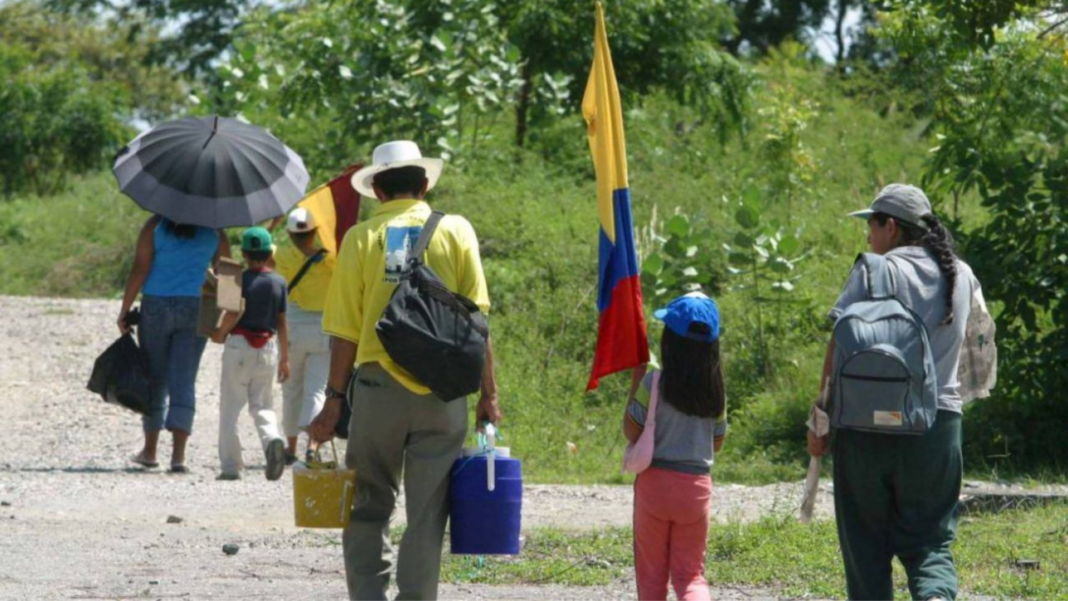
178,264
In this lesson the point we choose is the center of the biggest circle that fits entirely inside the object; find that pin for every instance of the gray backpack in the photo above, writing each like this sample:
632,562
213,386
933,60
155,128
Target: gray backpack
884,372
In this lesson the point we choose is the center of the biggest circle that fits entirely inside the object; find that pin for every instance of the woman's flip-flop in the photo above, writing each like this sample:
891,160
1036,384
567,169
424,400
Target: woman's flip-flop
179,469
141,461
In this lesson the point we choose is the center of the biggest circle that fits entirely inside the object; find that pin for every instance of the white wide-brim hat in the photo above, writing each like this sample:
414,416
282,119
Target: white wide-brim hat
393,155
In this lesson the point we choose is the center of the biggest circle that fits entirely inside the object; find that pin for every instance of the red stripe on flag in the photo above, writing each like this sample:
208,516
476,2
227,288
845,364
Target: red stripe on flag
346,203
621,339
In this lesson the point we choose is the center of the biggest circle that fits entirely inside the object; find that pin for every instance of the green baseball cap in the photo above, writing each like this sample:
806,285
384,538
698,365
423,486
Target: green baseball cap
256,239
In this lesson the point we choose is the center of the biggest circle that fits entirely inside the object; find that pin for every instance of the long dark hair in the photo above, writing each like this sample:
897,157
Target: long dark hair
692,380
937,239
180,230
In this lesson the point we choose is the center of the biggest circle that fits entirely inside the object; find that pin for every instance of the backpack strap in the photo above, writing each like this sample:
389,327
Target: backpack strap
415,255
304,268
880,281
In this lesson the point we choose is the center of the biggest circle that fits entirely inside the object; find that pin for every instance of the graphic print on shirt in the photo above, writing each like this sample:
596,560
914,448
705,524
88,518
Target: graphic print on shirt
399,240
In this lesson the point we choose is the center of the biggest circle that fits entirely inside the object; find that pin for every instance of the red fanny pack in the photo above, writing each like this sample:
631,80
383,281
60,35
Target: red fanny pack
256,339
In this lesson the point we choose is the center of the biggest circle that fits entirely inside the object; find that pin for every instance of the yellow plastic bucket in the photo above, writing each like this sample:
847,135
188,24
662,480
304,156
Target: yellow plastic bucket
322,494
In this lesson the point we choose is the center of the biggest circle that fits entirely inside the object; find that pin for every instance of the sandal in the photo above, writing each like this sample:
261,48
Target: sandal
179,469
141,461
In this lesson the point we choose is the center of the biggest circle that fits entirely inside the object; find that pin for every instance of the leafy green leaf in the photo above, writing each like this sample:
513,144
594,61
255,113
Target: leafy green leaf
789,245
652,264
747,217
678,226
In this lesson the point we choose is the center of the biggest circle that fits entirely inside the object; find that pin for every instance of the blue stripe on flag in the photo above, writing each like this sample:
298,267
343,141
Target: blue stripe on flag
616,261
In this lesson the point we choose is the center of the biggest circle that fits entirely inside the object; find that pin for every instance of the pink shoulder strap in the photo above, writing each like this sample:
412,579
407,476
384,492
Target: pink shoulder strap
654,396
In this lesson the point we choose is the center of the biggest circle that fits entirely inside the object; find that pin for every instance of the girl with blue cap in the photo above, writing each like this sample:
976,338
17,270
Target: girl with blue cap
672,496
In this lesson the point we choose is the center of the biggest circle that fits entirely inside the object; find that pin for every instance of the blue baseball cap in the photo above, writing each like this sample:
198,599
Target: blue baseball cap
694,308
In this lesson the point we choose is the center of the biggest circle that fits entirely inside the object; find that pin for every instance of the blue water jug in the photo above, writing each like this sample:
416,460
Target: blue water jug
484,521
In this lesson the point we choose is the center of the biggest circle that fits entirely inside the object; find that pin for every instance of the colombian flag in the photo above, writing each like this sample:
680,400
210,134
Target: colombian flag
621,339
336,207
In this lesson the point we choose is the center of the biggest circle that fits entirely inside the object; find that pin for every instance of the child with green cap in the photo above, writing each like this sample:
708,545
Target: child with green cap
251,358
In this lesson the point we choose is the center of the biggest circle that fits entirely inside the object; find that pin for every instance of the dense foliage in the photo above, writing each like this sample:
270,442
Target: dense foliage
995,81
67,89
442,73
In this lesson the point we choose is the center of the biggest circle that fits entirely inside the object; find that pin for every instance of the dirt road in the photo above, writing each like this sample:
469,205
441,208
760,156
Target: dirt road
77,521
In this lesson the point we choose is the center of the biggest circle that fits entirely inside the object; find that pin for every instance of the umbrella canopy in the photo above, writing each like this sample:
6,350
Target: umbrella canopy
211,171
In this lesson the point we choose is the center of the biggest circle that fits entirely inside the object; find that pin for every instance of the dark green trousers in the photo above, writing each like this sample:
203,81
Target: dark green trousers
897,495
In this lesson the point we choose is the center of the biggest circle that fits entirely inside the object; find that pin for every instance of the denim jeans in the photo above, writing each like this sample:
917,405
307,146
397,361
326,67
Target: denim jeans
168,336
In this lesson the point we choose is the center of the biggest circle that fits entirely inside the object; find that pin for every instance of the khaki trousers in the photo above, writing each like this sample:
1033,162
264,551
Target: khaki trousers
393,429
247,378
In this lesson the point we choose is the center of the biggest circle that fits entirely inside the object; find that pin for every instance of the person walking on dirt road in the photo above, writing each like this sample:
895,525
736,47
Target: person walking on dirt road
168,270
897,494
308,269
397,423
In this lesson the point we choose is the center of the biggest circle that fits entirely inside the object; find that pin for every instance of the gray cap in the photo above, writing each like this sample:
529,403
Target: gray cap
900,201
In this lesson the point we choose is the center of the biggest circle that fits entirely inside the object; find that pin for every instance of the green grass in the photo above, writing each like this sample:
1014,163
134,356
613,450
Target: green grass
795,560
78,244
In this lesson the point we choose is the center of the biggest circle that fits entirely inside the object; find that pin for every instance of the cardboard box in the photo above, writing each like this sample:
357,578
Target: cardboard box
220,292
228,274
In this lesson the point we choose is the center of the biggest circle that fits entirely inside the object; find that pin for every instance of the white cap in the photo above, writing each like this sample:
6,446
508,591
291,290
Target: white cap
300,221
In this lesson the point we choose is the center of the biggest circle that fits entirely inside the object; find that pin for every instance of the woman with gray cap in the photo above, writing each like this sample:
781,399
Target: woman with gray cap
897,478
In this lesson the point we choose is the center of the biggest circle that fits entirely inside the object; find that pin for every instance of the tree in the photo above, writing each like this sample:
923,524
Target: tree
66,90
764,24
111,54
440,71
434,72
656,44
996,79
202,29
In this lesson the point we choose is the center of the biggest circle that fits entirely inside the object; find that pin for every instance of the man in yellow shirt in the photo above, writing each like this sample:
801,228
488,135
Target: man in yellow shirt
304,392
397,423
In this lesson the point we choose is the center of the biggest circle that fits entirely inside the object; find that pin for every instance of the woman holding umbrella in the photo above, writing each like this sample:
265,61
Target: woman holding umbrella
197,175
169,264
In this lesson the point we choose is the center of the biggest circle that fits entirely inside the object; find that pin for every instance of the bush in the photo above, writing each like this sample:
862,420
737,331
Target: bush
53,123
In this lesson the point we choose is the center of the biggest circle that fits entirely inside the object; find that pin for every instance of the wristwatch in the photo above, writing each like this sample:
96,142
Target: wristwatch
335,394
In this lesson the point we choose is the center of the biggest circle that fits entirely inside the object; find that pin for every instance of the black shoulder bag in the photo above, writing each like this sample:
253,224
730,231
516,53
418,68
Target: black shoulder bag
438,336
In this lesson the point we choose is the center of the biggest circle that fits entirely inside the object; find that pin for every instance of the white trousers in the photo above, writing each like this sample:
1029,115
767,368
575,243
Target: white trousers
304,393
247,378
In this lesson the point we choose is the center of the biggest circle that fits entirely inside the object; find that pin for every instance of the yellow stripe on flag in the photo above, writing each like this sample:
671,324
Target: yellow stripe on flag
604,128
320,203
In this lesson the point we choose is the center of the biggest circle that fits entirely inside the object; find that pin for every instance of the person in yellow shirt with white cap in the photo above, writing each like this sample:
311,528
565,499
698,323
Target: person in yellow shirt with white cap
308,269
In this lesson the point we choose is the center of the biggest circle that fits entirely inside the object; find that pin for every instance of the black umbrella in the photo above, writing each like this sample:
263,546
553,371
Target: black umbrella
211,171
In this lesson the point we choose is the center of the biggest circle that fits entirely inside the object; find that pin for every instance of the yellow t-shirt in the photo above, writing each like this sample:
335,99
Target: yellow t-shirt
368,266
310,293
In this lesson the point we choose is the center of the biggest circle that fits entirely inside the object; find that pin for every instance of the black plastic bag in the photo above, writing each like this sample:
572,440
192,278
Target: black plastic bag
121,376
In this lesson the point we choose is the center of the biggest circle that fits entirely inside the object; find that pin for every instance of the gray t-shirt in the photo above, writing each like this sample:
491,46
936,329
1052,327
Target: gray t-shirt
265,298
921,287
683,443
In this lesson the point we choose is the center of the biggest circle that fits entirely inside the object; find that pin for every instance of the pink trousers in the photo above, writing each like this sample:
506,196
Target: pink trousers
671,511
